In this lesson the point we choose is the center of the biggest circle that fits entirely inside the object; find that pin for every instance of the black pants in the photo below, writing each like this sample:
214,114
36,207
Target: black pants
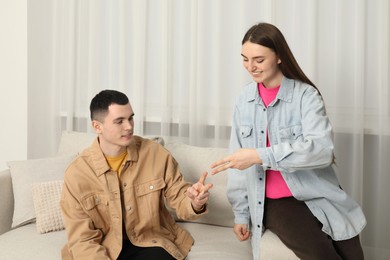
295,225
132,252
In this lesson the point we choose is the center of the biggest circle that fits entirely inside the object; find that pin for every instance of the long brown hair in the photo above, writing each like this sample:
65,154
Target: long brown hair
270,36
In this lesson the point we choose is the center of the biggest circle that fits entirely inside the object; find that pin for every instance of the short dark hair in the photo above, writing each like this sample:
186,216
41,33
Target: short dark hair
100,103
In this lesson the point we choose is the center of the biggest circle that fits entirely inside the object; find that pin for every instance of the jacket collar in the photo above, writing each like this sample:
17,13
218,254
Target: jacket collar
285,92
99,161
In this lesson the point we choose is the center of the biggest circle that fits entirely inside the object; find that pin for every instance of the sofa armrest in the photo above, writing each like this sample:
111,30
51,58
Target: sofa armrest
6,201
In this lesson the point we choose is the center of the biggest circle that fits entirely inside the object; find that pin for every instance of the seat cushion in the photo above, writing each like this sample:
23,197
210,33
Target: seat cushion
26,243
271,248
215,243
211,242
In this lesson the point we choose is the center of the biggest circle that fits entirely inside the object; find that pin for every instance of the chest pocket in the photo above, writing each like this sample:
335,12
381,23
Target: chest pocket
149,197
245,134
96,206
291,134
246,131
149,187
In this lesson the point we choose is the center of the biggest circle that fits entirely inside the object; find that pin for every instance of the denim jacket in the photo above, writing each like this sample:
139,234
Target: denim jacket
301,148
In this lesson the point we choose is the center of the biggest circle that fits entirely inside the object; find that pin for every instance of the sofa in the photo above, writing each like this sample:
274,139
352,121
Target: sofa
31,224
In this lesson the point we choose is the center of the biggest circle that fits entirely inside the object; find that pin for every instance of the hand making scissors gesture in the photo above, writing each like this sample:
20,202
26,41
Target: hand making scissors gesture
199,193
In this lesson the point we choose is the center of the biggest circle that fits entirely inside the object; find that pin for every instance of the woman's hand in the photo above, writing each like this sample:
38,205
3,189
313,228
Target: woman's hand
241,231
242,159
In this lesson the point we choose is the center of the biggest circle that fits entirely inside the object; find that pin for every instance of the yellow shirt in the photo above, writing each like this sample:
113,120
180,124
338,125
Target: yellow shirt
116,162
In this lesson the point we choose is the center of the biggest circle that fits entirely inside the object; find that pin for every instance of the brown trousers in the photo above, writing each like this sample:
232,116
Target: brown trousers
295,225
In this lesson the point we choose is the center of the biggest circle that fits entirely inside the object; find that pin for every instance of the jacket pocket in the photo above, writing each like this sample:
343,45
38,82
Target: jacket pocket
291,134
149,187
245,135
96,206
150,198
246,131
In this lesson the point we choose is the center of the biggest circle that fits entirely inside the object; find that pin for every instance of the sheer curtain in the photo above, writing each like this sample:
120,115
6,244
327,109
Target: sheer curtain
179,62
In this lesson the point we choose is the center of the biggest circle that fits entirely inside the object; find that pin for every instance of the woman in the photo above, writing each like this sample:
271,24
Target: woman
281,176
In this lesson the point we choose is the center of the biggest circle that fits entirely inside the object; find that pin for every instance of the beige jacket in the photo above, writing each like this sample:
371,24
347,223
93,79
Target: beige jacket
95,203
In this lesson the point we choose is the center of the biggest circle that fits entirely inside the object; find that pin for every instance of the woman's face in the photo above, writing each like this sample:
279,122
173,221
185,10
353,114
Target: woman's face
262,64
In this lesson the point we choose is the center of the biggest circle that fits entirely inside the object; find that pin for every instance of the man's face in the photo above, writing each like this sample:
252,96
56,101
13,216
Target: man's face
116,129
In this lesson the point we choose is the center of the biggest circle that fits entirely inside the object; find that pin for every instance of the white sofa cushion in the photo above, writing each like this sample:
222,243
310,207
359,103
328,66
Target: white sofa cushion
46,197
271,247
216,243
211,243
25,173
193,161
26,243
74,142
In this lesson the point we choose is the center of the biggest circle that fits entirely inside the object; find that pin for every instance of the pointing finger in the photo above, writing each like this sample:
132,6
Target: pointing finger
219,163
221,168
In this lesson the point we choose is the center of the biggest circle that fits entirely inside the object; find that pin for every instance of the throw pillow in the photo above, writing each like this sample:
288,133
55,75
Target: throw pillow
193,161
46,197
23,174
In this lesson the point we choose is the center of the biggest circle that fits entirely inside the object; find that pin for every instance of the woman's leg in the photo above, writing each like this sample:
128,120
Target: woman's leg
350,249
295,225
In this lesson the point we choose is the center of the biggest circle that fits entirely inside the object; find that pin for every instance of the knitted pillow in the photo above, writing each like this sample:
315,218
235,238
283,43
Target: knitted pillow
46,197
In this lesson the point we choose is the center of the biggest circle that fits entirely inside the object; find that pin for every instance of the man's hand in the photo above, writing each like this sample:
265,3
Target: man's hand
242,159
199,193
241,231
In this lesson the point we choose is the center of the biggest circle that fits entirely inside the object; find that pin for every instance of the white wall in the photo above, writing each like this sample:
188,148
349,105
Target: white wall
13,81
41,94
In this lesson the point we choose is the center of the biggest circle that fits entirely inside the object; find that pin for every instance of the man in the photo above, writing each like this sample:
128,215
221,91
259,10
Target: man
114,194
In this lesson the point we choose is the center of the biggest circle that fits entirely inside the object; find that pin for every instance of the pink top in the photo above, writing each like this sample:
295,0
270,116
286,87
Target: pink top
275,186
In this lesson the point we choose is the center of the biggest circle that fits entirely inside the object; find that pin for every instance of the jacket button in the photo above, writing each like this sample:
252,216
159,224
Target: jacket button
151,187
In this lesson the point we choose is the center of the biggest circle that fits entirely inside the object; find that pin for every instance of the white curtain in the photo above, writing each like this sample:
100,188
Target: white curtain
179,62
